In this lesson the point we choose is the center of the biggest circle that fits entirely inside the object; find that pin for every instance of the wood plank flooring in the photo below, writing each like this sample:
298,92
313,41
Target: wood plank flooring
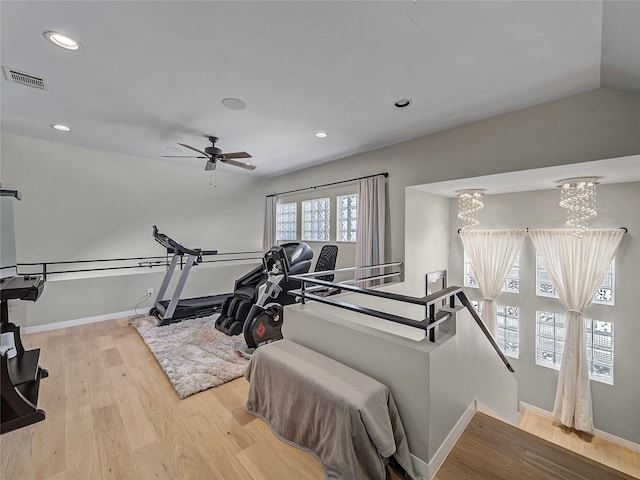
112,414
492,450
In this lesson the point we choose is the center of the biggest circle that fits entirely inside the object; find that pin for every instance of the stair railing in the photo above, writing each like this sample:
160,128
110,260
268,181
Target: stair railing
434,316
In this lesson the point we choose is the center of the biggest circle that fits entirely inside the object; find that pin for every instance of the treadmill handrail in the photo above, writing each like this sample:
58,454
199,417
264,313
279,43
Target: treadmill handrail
174,247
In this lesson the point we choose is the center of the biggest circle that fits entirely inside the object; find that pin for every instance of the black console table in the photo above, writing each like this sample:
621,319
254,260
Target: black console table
19,376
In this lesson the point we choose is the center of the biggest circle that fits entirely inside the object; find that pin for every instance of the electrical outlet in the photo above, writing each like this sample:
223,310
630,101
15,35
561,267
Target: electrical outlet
149,291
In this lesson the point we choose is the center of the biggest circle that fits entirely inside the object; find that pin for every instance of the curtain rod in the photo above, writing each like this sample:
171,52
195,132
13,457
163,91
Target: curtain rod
626,230
385,174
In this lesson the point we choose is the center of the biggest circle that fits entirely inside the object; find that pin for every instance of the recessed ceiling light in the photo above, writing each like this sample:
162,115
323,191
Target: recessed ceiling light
62,40
321,135
62,128
234,103
405,102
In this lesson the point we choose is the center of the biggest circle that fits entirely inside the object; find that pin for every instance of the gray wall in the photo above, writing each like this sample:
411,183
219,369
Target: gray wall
432,383
615,406
591,126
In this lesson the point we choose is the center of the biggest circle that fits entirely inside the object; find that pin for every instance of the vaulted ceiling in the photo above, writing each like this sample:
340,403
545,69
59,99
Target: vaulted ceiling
151,75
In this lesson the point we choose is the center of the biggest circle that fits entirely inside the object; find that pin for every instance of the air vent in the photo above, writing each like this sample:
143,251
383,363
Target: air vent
16,76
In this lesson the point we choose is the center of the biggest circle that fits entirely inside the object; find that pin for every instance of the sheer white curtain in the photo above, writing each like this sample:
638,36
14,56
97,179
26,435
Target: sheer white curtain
491,253
269,236
576,266
371,225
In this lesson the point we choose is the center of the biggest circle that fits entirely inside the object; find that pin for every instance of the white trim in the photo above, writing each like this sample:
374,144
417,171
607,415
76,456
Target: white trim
454,435
421,468
83,321
482,408
623,442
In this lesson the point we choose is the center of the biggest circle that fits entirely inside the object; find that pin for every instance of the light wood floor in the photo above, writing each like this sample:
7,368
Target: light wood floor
111,413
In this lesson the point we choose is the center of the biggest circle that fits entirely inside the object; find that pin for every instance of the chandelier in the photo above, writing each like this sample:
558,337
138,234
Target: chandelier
470,202
579,198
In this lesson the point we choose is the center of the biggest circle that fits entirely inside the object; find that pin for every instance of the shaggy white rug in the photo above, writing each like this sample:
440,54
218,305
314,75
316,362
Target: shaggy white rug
193,354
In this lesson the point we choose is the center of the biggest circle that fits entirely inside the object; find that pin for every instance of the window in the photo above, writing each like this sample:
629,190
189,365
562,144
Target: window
347,218
550,328
286,221
604,295
508,323
508,320
511,284
316,219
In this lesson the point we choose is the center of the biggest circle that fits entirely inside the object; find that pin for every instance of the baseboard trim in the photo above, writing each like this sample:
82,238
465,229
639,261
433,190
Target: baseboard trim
429,470
623,442
421,468
83,321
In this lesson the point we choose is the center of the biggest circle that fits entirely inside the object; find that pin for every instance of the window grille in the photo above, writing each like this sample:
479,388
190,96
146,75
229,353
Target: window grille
604,295
316,216
347,218
286,221
550,330
508,321
511,284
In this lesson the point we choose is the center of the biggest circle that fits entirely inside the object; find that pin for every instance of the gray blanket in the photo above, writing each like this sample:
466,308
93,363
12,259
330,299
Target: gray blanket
347,419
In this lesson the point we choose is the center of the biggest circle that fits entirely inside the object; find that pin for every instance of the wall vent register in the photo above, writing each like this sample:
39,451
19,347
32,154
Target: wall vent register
22,78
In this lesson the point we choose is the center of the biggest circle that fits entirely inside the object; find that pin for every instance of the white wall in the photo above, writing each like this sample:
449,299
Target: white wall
426,238
82,204
615,406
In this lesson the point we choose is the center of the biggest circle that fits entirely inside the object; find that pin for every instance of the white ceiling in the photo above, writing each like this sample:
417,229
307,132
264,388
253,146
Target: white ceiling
152,74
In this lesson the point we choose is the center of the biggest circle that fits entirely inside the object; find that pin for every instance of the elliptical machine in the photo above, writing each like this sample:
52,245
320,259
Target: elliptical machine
264,321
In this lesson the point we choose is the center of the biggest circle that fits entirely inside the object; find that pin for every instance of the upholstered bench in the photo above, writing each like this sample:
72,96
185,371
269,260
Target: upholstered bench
347,419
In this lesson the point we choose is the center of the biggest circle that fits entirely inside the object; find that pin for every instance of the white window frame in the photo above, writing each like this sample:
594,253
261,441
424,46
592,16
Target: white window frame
608,283
511,283
558,344
286,219
322,219
345,217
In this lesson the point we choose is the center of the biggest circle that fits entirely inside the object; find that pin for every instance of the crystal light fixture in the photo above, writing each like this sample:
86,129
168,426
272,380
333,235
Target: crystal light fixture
470,202
579,198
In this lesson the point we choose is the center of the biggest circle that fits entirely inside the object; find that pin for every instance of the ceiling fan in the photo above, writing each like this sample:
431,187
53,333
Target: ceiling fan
213,154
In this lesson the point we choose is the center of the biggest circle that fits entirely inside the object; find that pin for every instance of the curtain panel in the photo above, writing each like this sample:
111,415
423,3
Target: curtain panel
371,226
491,253
269,235
576,266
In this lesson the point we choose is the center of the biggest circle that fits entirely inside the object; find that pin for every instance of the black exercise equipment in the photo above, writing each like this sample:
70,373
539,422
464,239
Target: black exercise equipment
20,372
295,258
177,309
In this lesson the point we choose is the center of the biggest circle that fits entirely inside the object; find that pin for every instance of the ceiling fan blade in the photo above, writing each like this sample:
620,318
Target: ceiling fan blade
181,156
236,155
211,165
194,149
236,163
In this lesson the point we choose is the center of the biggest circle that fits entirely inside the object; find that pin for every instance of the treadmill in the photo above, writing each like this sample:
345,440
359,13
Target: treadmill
177,309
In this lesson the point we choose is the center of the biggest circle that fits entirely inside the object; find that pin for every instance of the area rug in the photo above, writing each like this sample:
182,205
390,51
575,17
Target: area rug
193,354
